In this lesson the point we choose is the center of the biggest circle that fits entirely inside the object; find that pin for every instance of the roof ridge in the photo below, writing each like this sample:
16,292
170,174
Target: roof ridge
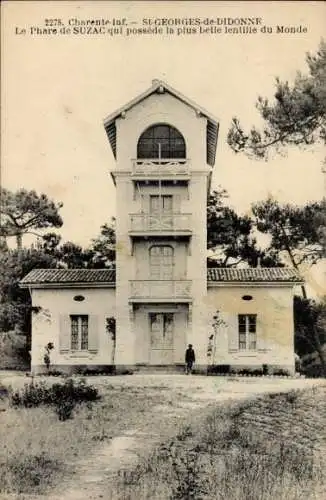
156,84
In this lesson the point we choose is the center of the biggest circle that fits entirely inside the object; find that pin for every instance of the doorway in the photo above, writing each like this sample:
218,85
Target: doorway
161,326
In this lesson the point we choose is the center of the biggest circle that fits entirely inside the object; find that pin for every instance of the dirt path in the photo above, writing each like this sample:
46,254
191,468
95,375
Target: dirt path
186,397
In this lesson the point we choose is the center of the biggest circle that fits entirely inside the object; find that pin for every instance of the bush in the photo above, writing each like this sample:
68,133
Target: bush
103,370
63,396
256,372
218,369
23,474
280,372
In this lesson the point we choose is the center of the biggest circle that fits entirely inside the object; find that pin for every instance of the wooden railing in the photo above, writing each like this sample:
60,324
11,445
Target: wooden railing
160,289
160,222
161,167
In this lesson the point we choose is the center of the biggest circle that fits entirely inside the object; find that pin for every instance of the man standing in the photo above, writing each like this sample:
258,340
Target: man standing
189,359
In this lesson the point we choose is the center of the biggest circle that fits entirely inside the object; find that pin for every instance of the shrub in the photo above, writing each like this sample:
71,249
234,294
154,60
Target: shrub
63,396
218,369
103,370
23,473
257,372
280,372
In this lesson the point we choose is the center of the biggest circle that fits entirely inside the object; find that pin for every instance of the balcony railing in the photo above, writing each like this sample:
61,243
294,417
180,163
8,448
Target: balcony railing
163,223
175,168
169,290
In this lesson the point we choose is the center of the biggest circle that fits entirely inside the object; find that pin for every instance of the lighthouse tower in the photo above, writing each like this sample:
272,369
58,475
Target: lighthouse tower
164,146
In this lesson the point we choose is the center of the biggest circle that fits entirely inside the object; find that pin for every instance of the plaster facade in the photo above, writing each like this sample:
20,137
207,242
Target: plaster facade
160,296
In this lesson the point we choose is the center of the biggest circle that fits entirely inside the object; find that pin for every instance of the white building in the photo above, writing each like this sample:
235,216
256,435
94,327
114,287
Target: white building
162,295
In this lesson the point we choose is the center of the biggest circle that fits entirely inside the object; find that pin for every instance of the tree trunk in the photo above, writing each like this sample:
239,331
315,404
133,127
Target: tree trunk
295,265
19,241
113,351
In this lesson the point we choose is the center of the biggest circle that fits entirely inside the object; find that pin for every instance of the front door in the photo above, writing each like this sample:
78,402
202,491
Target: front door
161,338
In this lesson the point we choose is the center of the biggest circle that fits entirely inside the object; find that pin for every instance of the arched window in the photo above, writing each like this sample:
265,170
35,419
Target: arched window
161,262
161,141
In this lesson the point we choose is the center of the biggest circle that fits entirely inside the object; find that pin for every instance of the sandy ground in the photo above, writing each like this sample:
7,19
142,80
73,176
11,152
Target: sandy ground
185,396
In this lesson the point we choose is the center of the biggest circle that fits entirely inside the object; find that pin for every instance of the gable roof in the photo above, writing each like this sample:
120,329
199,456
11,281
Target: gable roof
69,277
106,277
160,86
256,274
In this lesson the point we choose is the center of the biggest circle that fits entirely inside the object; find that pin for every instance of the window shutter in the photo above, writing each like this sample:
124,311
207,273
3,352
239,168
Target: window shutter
233,335
260,333
64,333
145,204
176,203
93,333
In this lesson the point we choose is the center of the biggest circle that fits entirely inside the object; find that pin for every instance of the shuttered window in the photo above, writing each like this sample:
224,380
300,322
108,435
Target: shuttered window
161,262
79,332
247,332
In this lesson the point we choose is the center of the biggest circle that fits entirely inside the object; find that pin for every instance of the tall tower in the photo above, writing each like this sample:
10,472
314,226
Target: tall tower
164,146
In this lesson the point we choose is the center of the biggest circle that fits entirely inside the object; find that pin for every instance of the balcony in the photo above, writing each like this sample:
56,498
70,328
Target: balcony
174,224
163,169
160,291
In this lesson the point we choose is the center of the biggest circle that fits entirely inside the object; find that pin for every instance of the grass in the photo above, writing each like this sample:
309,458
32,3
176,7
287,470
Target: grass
38,450
263,449
260,449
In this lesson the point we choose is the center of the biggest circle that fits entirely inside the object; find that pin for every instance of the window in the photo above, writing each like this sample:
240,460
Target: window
161,262
247,324
161,204
161,141
79,332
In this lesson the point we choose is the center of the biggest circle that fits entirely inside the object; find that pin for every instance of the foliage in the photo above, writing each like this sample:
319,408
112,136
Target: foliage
310,328
230,238
111,326
103,247
63,396
111,329
70,255
24,212
293,229
13,352
28,473
47,358
15,303
296,117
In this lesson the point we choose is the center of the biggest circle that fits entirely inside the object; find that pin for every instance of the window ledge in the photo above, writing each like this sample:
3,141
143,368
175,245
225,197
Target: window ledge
244,353
78,354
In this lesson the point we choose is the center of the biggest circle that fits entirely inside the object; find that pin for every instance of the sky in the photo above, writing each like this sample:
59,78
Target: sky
56,91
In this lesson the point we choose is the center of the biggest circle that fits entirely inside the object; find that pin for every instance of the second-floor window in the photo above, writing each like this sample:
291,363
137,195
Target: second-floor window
161,261
161,141
160,204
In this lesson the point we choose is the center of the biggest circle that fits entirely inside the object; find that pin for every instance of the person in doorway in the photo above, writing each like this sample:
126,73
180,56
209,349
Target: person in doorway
189,359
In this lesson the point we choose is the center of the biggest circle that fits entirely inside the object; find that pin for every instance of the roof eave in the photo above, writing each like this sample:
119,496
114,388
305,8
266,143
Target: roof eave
59,284
151,90
285,283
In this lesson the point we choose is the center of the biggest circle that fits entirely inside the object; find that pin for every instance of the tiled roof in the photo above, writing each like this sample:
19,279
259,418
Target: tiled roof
256,274
40,276
107,276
